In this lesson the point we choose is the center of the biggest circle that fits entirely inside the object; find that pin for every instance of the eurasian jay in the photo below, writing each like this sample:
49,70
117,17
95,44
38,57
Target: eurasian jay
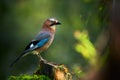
42,41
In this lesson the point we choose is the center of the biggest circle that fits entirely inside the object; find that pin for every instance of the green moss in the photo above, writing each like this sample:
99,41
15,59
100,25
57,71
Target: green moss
28,77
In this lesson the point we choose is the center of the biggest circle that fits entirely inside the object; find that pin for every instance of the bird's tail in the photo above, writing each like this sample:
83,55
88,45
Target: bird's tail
19,57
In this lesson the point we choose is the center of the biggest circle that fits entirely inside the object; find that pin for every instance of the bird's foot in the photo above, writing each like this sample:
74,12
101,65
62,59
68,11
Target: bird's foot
41,58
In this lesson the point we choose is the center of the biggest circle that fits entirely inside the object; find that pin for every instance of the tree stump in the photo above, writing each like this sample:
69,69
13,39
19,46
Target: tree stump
53,71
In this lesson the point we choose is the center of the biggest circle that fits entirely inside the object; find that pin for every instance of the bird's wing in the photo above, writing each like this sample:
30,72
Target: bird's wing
37,42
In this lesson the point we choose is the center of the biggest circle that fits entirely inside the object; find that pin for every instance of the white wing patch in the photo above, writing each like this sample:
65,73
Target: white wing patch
32,45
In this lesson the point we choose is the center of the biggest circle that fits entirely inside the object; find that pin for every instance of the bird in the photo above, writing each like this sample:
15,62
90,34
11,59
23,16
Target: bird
42,41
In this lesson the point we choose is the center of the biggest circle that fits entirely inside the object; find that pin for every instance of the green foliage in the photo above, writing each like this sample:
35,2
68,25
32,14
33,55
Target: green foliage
85,46
28,77
78,72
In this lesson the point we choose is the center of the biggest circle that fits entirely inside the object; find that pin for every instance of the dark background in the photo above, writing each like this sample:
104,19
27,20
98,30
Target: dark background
76,41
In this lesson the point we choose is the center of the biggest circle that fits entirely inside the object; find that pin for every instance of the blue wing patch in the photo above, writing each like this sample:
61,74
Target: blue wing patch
42,42
36,44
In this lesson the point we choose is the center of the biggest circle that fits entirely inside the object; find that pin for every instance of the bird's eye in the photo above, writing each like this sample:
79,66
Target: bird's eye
52,23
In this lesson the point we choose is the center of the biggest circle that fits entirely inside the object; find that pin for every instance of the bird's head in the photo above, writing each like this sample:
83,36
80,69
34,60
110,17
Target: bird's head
51,23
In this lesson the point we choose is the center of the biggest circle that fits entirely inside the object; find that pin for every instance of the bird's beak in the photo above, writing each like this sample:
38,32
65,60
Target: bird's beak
58,23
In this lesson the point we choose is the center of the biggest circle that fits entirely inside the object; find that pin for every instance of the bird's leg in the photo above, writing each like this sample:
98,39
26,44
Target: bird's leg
38,54
40,57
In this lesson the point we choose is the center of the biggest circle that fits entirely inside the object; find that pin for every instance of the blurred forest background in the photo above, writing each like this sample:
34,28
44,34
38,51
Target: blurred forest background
79,42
